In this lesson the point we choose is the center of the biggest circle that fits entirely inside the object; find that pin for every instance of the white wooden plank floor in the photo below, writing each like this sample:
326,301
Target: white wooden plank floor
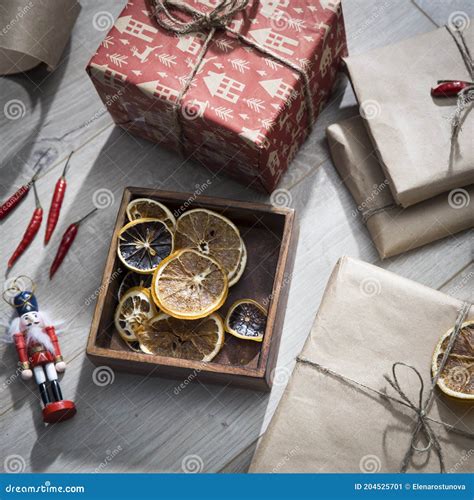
142,422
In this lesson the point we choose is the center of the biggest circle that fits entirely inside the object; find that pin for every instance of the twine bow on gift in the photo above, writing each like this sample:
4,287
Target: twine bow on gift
422,406
219,18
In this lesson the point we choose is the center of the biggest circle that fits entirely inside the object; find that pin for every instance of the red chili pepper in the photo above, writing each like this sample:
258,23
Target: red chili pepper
21,193
67,240
56,203
31,230
448,88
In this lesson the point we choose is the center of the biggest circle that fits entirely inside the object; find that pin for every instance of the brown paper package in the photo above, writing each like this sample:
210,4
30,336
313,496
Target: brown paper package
410,129
393,230
369,318
34,32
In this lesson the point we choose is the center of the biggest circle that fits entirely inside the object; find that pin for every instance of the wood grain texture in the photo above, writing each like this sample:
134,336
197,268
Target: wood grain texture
153,424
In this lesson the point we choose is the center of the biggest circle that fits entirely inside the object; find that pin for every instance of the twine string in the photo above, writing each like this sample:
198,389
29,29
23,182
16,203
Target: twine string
420,407
465,98
217,19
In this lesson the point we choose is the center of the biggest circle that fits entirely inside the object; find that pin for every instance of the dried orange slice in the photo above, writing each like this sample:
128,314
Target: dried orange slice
246,320
134,346
211,234
143,244
189,285
131,280
457,377
198,340
135,309
241,267
146,208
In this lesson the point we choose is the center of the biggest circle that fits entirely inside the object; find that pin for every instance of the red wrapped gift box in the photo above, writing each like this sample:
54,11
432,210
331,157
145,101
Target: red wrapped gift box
245,112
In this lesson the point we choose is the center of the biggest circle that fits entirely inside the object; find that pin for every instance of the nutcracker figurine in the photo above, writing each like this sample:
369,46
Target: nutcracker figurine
39,353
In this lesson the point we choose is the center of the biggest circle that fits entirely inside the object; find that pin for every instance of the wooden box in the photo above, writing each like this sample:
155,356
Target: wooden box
270,236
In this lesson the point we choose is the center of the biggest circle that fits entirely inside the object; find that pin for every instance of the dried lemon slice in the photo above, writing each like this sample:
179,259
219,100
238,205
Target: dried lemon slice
247,320
146,208
198,340
211,234
143,244
457,377
131,280
241,267
133,312
189,285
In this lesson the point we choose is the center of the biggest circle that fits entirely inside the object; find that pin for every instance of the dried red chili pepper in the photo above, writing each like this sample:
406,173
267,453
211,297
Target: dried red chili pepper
66,242
31,230
449,88
56,203
15,199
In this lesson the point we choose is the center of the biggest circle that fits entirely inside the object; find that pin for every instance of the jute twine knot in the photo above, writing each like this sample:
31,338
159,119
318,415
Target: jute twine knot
217,18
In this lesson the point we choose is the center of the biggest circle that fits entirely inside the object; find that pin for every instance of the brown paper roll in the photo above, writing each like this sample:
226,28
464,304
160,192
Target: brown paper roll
34,32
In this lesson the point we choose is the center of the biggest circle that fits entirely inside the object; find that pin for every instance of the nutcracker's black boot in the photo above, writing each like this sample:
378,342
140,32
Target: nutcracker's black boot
57,395
44,394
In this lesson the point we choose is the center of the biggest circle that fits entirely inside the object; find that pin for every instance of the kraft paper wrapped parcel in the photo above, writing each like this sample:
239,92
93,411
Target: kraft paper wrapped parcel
369,319
393,229
410,129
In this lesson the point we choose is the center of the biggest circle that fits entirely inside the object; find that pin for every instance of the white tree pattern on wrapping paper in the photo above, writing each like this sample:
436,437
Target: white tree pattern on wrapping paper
223,44
240,65
107,41
257,105
296,24
224,113
167,59
272,63
118,59
267,123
